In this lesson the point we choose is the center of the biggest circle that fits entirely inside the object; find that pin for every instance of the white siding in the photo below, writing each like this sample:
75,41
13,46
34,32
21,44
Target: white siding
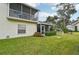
71,27
77,26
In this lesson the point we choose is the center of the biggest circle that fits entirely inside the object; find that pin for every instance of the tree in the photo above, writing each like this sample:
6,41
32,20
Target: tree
53,20
65,11
77,18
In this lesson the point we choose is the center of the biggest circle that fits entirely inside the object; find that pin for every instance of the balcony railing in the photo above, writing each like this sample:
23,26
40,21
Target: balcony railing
23,15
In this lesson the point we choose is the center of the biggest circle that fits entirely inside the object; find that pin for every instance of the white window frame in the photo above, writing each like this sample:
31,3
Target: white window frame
21,27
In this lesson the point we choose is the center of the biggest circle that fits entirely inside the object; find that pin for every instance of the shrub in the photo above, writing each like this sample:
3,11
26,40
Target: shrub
65,30
51,33
37,34
70,31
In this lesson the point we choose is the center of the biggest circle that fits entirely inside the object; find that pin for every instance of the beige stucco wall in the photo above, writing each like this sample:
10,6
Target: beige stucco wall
10,27
31,28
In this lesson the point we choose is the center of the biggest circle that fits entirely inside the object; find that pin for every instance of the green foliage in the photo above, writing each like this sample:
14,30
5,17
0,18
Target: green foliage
67,9
37,34
65,12
70,30
65,31
52,19
51,33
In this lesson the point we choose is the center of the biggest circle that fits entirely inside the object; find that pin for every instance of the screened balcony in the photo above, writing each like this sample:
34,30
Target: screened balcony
22,11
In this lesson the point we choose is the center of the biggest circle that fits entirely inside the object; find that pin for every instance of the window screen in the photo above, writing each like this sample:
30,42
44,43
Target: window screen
21,29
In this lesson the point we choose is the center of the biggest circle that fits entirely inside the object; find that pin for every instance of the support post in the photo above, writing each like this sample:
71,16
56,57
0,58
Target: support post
30,13
49,28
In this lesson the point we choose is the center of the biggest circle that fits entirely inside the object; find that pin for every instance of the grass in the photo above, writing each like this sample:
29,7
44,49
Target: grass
65,44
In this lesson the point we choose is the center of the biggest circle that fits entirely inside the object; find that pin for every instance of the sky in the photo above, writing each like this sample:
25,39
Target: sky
49,9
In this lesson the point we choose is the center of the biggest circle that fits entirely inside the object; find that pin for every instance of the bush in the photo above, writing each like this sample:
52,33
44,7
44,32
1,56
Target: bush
65,30
70,31
51,33
37,34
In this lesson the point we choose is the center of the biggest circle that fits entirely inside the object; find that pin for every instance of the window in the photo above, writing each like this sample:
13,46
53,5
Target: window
19,10
15,6
21,29
25,9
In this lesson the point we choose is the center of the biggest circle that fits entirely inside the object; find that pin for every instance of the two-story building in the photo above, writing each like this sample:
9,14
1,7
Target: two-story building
19,19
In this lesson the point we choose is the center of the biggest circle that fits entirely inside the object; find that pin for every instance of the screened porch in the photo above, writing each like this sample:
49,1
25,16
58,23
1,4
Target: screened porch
19,10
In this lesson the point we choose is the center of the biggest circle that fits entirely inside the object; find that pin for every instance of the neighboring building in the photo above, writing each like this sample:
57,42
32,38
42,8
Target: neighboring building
44,27
74,26
17,19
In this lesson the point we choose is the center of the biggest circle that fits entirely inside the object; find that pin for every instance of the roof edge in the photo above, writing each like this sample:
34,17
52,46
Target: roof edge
31,6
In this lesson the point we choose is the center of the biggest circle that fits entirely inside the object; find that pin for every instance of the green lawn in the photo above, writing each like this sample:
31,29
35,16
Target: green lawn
52,45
